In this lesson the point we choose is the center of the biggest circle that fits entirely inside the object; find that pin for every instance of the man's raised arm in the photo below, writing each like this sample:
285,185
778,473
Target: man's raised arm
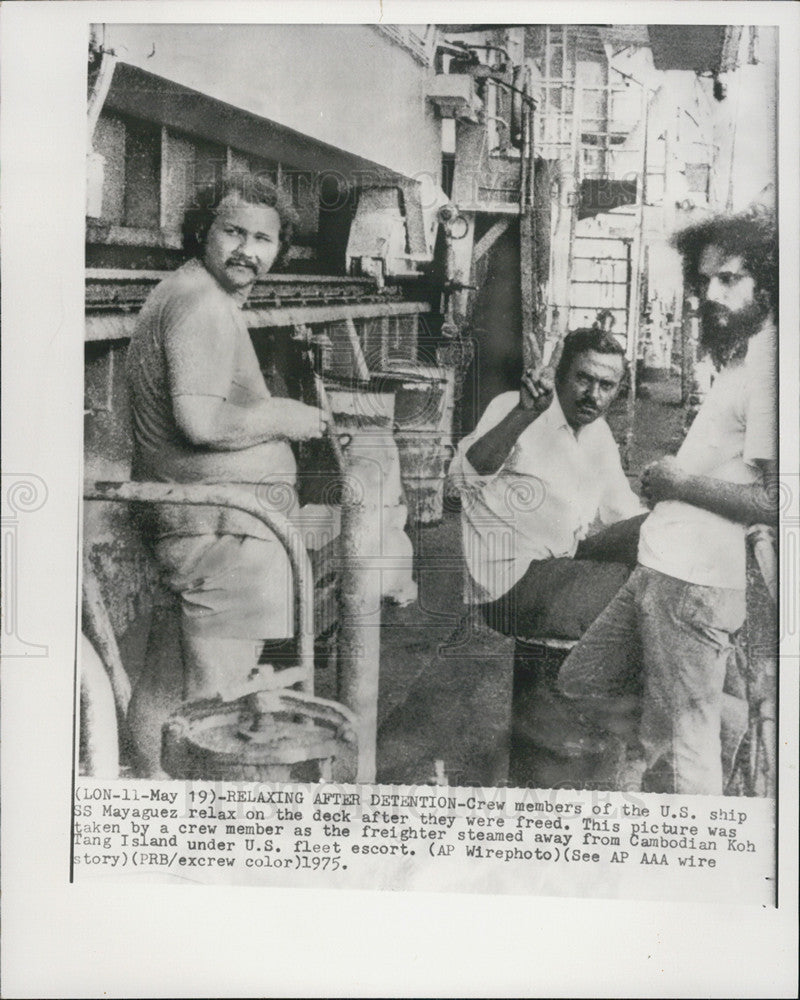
488,453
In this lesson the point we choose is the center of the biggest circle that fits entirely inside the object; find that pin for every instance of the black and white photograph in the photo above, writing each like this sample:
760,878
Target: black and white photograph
434,520
462,376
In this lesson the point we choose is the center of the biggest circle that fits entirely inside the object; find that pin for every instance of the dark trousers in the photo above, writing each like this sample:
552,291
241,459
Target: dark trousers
560,598
551,743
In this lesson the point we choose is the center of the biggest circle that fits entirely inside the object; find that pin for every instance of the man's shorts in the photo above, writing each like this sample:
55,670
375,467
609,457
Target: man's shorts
230,586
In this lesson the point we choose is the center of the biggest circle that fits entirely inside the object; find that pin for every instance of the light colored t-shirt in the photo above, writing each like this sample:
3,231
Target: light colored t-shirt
191,339
553,488
735,426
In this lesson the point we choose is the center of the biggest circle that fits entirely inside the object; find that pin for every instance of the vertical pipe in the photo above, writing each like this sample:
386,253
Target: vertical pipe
637,262
531,344
99,93
164,178
687,354
99,735
576,154
99,630
360,606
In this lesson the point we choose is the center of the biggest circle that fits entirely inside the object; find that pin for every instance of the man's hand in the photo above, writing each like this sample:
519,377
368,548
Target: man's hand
301,422
536,390
663,480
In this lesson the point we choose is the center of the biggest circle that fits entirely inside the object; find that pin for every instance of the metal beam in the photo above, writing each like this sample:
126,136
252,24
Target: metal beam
359,361
119,326
489,238
531,348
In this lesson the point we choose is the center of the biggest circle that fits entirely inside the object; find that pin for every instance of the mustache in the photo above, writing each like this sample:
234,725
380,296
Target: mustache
712,311
236,261
724,334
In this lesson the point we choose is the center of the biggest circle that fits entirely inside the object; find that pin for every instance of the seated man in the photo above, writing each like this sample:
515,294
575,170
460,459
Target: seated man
536,477
674,618
202,413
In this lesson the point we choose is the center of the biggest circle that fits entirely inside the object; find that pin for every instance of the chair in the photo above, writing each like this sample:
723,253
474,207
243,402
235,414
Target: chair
549,745
98,630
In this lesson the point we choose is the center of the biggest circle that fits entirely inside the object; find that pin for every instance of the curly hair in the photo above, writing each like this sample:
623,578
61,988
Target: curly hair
751,235
256,189
586,339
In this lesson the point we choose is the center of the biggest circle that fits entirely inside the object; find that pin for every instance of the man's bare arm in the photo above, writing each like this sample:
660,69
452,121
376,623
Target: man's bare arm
489,452
747,503
212,422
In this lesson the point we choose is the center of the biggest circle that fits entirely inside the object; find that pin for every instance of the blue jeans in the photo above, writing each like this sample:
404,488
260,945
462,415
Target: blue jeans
677,635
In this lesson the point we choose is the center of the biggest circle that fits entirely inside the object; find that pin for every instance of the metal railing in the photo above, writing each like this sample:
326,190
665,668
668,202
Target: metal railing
203,495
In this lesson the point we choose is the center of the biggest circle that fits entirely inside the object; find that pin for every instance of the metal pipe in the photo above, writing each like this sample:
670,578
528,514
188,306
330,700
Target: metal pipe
532,347
303,337
204,495
99,733
575,186
97,98
100,632
360,605
523,94
489,48
762,540
637,264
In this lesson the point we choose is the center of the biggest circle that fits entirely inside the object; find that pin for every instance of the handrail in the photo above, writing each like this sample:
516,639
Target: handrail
219,495
762,540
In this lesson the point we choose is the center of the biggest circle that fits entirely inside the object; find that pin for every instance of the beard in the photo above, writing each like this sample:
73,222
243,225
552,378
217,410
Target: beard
724,334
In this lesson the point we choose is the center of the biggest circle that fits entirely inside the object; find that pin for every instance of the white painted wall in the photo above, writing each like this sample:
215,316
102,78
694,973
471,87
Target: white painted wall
746,126
343,84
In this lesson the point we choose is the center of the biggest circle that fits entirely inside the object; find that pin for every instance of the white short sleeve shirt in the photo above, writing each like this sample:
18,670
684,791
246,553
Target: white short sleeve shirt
553,488
735,427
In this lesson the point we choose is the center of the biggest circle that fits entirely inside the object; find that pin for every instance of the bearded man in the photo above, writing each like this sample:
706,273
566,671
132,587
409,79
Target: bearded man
674,617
